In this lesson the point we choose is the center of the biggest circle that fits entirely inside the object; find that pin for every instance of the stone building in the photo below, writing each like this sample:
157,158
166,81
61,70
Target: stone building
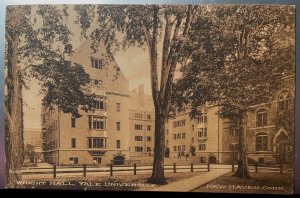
208,138
121,127
270,129
100,136
141,124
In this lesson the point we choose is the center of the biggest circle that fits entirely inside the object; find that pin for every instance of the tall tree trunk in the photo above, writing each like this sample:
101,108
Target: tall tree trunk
242,170
158,176
13,114
162,95
21,121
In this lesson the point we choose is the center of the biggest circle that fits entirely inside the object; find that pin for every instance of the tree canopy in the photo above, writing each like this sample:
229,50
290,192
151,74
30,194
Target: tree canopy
244,53
44,47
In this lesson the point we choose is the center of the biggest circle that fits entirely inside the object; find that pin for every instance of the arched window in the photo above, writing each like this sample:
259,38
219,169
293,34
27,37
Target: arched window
281,102
284,100
261,118
261,142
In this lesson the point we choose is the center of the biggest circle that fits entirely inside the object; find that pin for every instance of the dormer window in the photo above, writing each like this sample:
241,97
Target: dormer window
96,63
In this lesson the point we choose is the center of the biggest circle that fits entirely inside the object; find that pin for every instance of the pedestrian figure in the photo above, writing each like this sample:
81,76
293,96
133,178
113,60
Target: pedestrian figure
187,156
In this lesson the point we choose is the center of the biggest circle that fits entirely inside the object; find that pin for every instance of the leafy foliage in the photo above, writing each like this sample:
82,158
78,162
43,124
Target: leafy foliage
236,63
46,40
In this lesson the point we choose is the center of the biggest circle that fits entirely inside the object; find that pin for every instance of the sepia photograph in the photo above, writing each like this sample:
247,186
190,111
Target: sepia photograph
156,97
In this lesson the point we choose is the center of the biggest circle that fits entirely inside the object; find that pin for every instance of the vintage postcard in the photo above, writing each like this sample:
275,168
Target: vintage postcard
186,98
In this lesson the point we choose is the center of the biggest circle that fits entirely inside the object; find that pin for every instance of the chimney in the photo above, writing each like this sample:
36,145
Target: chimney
141,94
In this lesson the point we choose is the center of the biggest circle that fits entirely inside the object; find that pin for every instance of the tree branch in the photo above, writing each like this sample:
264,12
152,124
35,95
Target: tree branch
174,53
152,46
147,35
166,49
189,19
171,55
22,70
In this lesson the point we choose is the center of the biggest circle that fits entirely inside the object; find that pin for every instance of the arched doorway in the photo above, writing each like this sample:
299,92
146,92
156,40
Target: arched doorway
119,160
212,160
282,147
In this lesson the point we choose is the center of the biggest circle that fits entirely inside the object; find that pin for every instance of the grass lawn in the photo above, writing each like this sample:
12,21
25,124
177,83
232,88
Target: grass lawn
108,183
261,183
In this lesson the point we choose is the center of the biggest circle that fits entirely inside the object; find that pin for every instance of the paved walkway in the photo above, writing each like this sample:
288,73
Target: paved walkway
192,183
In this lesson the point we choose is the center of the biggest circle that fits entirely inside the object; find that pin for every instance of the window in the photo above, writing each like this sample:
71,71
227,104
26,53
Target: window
202,147
118,144
97,160
99,103
232,131
97,122
148,138
183,147
73,122
174,148
138,127
281,103
118,107
261,118
183,136
148,149
174,136
202,118
284,100
73,160
202,132
179,123
148,127
96,142
118,126
96,63
138,138
179,136
261,142
138,149
73,143
96,82
138,115
193,127
179,148
148,117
